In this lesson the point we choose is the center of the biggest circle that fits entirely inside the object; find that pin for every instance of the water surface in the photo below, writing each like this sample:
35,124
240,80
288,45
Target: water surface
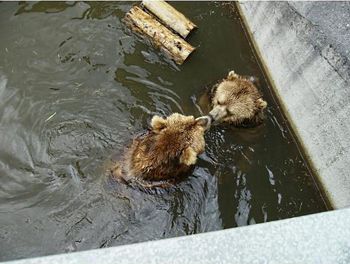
76,85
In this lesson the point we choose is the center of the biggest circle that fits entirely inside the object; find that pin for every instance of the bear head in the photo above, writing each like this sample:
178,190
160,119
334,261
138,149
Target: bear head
236,100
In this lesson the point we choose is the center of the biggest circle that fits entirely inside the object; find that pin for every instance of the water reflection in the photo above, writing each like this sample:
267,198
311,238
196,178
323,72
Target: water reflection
43,7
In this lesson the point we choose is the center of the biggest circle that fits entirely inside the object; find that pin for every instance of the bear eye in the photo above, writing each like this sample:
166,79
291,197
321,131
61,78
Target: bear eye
220,102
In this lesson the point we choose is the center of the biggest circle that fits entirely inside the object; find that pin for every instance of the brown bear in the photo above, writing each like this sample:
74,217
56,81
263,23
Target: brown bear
165,152
236,100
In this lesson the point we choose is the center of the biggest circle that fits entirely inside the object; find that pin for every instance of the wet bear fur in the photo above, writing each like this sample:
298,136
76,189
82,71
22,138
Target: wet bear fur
165,152
236,100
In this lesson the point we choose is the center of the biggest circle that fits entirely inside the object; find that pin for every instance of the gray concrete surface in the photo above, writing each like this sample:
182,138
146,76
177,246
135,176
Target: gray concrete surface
305,47
319,238
332,21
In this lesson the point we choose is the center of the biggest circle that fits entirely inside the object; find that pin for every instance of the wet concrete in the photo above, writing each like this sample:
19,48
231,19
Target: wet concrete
304,46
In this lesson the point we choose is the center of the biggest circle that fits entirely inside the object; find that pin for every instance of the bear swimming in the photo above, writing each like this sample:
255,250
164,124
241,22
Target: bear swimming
236,100
163,153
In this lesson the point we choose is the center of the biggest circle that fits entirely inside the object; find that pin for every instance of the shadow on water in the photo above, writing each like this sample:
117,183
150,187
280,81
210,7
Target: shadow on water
76,85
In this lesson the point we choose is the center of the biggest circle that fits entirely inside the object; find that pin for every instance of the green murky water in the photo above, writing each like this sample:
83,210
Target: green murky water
76,85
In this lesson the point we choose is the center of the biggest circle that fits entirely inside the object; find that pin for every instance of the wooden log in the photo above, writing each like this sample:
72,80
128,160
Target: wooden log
170,16
173,45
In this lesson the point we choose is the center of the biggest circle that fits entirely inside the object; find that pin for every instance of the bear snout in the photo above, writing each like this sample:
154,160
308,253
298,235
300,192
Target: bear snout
218,113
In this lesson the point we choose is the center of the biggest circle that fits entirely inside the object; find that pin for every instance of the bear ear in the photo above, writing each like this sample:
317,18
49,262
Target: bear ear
188,156
232,75
158,123
204,121
261,103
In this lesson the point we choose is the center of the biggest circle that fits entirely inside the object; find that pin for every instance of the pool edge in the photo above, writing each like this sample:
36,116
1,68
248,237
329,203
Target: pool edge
284,241
299,73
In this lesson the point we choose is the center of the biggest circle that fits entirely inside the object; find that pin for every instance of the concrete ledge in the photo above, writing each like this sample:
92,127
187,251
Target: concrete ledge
319,238
310,72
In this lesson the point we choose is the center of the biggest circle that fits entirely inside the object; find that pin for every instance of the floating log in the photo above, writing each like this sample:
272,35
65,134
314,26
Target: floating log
170,16
172,44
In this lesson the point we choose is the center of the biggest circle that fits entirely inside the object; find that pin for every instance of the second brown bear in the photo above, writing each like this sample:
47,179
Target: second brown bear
237,101
165,152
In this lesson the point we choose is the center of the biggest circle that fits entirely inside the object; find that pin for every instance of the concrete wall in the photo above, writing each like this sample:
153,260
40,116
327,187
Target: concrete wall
305,48
306,239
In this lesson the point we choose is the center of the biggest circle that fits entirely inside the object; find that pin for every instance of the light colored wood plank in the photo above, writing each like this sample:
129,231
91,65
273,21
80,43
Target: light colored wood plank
173,45
170,16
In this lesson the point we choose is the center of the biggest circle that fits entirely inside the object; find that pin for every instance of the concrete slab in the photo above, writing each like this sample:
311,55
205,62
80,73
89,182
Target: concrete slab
331,19
305,49
319,238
